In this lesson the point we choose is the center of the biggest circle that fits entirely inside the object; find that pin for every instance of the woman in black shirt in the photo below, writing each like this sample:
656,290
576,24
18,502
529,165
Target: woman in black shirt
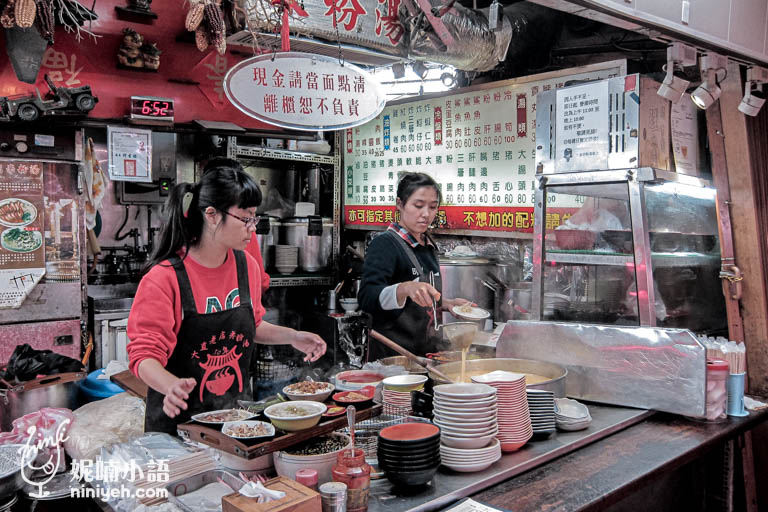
396,287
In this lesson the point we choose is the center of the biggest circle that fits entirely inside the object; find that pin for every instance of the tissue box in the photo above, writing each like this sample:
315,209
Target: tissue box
298,498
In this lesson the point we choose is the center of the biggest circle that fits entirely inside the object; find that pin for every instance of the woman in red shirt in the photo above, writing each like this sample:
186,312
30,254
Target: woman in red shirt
197,312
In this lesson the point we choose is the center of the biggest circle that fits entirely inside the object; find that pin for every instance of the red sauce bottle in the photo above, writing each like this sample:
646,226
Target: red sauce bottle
352,470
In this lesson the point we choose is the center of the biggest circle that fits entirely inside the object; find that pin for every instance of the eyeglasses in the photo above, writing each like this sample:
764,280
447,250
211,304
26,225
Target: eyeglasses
248,221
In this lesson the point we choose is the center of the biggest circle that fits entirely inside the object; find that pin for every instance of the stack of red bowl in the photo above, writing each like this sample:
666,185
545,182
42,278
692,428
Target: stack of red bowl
409,453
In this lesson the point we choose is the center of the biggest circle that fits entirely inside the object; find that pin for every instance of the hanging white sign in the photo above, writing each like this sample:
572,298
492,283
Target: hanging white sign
130,154
304,91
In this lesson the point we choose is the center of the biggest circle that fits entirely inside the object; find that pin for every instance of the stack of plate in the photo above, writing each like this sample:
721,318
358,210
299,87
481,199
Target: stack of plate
466,415
398,399
398,389
571,415
469,460
286,258
514,419
541,406
409,453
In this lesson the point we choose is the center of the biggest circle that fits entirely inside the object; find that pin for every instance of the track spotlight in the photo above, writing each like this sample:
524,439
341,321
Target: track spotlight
754,95
709,91
398,70
679,55
420,69
448,79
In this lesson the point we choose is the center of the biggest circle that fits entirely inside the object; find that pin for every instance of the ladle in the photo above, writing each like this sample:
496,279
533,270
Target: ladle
422,361
351,421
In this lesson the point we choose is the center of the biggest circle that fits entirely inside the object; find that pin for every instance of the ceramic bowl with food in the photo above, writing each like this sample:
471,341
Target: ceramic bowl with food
248,430
309,390
361,398
404,382
296,415
223,416
348,304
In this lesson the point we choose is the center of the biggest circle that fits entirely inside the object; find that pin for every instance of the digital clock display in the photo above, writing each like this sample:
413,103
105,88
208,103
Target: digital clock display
143,107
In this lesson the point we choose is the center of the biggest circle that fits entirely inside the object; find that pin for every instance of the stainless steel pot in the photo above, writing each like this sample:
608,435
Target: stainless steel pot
52,391
556,373
313,235
11,479
463,278
268,236
515,304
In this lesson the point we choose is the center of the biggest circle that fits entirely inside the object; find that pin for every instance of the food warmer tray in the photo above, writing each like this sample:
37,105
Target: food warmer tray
216,439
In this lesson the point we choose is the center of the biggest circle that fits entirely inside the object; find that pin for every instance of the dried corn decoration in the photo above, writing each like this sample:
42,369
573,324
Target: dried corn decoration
25,11
205,19
8,18
45,21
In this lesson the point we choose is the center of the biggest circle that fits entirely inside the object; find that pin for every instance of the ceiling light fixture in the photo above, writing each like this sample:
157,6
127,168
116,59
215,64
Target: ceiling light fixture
754,95
398,70
709,91
420,69
679,56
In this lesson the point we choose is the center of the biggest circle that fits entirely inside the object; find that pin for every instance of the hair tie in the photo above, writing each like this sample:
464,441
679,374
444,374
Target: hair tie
186,201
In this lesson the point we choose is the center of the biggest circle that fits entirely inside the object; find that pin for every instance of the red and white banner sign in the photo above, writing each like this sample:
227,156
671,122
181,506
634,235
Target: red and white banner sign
304,91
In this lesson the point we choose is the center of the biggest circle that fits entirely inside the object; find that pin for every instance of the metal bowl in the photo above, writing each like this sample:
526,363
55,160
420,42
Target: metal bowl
556,373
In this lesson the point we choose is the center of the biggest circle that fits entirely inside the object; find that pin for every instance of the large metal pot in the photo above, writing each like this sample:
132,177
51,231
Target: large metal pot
52,391
268,236
515,304
556,373
313,235
463,278
11,479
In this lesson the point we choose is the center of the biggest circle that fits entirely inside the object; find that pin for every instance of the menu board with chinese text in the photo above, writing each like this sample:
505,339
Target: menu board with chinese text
478,144
22,214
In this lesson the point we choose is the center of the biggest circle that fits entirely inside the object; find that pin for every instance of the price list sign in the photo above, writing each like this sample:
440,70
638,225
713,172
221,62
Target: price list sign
479,145
22,248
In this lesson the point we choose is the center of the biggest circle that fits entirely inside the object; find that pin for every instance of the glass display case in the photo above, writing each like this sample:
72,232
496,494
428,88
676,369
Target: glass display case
627,247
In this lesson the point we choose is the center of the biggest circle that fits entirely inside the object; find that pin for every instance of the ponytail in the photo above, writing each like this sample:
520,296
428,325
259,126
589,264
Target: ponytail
224,184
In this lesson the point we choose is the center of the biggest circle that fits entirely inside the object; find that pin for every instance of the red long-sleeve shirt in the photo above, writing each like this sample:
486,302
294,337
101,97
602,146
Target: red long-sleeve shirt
254,250
155,317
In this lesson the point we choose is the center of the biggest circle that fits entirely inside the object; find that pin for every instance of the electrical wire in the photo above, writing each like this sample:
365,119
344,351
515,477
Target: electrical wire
119,237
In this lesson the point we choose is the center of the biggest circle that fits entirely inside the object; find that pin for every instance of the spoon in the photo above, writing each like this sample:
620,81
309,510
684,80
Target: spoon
351,420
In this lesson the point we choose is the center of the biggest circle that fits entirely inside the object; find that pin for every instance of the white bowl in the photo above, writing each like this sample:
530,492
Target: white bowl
498,376
464,391
474,425
404,383
294,423
286,464
242,415
465,404
348,304
493,447
226,429
469,468
466,442
319,396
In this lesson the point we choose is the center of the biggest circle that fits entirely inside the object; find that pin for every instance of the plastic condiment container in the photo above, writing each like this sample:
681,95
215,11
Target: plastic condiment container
307,477
352,470
717,376
333,496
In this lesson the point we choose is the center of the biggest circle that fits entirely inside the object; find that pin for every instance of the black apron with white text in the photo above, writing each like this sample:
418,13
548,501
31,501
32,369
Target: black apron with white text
413,328
213,348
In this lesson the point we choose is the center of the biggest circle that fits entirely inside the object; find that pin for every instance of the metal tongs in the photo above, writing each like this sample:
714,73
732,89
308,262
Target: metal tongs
435,321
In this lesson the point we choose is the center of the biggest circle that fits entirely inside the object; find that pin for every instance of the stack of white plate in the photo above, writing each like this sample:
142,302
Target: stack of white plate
397,399
469,460
514,419
466,415
541,406
286,258
571,415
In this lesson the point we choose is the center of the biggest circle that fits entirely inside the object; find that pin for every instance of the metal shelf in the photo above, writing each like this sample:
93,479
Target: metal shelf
282,154
283,280
589,258
684,259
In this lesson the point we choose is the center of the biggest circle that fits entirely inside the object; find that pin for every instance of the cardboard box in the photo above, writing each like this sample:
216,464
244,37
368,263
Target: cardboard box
298,498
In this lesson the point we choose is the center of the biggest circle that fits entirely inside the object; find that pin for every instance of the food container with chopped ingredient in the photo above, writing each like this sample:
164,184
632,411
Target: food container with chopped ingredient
309,390
203,492
319,454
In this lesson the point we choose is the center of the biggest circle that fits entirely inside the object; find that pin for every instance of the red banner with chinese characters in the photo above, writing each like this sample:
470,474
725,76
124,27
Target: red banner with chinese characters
485,218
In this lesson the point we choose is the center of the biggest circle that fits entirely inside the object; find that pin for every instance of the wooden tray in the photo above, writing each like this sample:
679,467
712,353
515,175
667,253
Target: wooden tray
216,439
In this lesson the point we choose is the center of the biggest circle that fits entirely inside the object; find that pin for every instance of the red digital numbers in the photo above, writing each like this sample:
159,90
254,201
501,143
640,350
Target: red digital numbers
156,108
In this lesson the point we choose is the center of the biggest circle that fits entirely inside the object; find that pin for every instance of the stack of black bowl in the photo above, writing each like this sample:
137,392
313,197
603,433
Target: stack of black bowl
409,453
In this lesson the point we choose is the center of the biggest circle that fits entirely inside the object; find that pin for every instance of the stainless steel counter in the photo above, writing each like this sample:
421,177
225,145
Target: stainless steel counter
449,486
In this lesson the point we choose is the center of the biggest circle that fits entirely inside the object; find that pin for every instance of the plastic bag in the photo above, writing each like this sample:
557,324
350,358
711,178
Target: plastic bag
26,363
277,206
116,419
47,426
